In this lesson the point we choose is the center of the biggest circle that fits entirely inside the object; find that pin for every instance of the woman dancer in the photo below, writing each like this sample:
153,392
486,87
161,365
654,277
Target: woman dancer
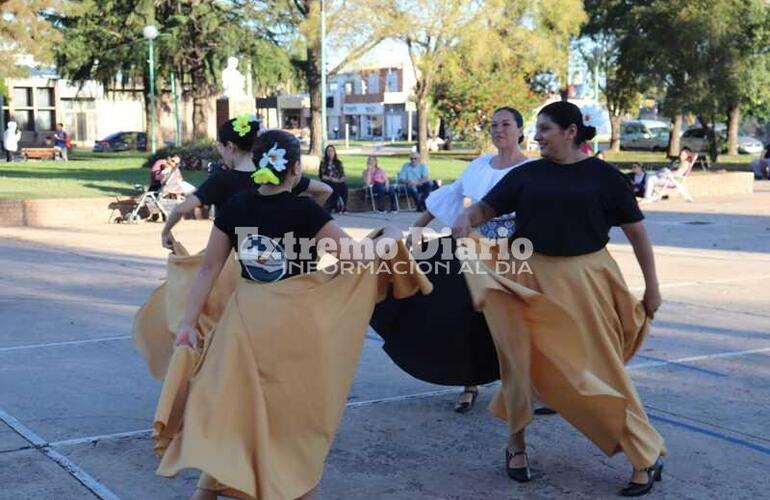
446,203
332,173
571,323
235,141
265,399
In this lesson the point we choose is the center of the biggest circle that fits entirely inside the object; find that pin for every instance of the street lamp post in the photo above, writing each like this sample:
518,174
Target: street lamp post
597,55
150,32
324,135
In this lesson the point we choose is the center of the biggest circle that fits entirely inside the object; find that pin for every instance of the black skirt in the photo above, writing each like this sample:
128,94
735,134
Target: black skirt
439,337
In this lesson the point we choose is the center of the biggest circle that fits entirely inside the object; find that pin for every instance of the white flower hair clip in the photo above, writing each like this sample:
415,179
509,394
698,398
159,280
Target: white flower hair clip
275,158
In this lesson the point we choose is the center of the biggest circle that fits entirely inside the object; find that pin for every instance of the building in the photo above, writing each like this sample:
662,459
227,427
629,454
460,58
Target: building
90,111
370,99
373,102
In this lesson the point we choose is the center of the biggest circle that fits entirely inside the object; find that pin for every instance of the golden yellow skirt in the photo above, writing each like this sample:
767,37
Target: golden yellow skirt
156,321
257,408
567,328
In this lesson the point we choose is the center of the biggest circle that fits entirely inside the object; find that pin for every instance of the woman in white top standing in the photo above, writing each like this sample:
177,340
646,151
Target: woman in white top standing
456,336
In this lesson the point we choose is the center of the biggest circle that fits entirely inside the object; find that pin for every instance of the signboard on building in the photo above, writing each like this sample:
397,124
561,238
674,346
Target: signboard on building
363,109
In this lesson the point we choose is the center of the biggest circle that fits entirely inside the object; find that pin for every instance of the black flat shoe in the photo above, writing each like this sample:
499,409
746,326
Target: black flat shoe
544,410
466,406
520,474
654,473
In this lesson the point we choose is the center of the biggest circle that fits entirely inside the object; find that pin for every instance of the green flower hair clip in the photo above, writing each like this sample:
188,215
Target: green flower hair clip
242,124
265,176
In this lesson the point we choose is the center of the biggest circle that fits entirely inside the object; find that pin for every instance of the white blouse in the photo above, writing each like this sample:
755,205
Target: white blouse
475,182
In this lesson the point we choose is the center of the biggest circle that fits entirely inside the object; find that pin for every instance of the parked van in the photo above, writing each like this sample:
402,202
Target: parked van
648,135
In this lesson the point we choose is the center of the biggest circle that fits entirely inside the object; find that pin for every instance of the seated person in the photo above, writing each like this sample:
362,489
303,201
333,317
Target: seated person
173,182
61,141
377,179
638,179
660,178
156,174
415,176
761,165
332,172
686,157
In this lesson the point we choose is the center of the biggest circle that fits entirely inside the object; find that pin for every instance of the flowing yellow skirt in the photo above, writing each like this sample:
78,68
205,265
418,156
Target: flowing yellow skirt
257,408
156,321
567,328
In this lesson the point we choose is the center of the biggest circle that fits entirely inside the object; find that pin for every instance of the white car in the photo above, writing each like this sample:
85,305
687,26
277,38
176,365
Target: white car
696,140
648,135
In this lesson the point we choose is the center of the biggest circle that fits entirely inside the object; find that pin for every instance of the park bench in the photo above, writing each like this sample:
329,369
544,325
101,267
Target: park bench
38,153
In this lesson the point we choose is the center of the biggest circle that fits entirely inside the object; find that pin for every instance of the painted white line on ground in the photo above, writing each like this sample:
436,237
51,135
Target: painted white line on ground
706,282
65,463
94,439
59,344
652,364
23,431
418,395
97,488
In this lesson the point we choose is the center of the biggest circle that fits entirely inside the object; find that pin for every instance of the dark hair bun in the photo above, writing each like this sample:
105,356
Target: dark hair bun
589,132
242,138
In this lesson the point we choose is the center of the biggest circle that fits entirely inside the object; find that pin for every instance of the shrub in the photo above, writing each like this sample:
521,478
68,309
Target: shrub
194,155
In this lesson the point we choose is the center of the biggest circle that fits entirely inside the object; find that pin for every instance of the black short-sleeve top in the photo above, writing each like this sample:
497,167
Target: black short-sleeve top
273,235
222,185
565,210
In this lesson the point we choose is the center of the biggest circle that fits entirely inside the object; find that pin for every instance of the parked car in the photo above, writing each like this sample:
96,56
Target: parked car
122,141
648,135
695,139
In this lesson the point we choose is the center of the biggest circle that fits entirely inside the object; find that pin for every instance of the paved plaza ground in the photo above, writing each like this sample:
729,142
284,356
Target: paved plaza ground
76,401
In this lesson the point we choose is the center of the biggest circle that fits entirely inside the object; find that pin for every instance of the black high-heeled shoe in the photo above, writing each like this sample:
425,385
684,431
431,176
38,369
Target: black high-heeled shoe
654,473
520,474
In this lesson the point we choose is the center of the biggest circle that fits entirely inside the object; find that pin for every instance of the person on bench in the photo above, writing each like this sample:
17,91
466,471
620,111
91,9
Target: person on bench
376,179
61,141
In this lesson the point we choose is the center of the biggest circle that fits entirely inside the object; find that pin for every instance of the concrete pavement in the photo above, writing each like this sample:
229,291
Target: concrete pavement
76,400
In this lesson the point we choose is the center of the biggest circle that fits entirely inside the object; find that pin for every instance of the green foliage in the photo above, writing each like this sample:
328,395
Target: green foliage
193,155
26,31
528,40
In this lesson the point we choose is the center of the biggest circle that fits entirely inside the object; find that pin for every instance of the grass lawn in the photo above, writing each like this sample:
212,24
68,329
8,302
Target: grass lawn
110,174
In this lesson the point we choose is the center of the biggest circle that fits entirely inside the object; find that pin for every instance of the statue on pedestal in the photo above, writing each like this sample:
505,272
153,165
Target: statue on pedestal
233,81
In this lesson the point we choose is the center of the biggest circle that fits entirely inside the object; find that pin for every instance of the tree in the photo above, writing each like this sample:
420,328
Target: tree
430,29
473,81
710,57
611,31
25,30
104,43
353,28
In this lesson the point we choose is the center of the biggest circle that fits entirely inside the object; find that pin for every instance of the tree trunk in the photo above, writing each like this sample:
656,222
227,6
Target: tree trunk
708,127
313,76
674,143
422,128
733,121
200,118
148,118
615,121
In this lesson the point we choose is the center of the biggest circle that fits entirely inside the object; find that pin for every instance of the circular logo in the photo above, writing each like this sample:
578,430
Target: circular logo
263,258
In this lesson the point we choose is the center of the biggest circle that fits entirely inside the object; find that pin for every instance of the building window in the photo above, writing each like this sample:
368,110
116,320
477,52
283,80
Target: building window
348,88
363,87
25,120
44,120
392,82
44,98
374,83
22,97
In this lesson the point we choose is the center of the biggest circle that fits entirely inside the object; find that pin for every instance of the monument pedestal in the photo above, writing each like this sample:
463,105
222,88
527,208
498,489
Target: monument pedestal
229,108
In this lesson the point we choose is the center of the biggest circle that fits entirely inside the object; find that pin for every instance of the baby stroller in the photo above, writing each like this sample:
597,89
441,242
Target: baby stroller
146,205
